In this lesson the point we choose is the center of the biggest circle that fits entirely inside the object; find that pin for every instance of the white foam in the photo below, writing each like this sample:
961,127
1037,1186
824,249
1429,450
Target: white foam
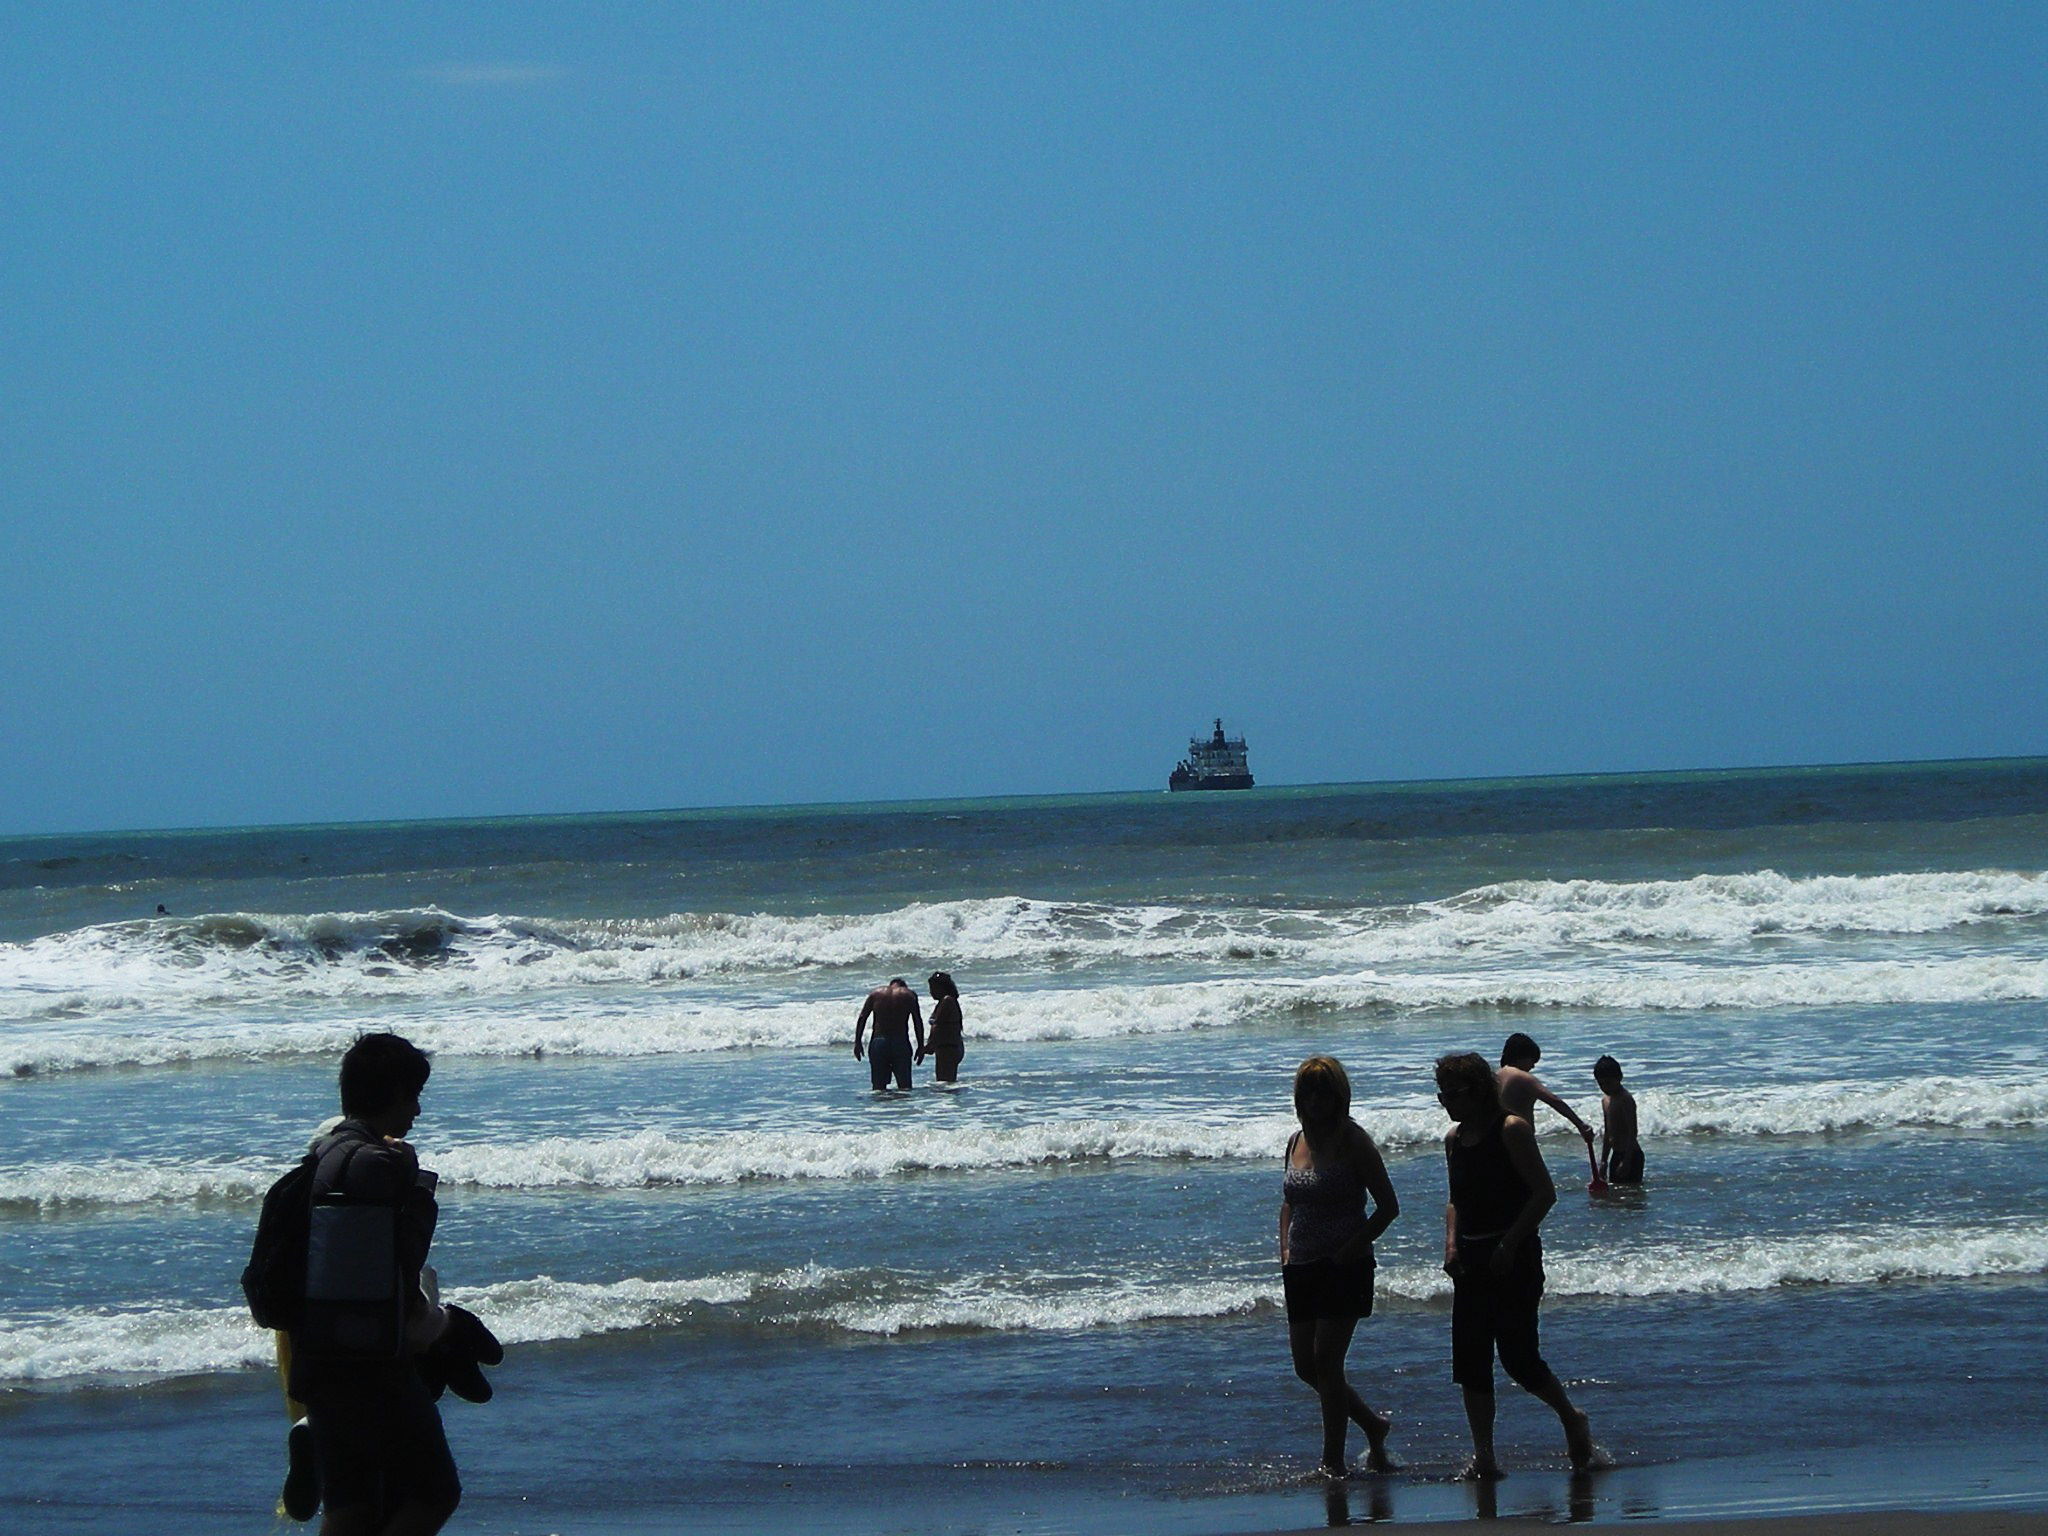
139,1344
623,1025
157,1342
1740,906
133,1181
655,1158
1877,1255
1806,1109
995,1305
234,958
1880,1255
543,1308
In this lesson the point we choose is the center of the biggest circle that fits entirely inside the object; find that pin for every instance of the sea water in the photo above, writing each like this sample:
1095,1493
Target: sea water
742,1290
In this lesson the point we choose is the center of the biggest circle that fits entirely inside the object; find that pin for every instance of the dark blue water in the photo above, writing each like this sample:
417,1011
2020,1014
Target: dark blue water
742,1291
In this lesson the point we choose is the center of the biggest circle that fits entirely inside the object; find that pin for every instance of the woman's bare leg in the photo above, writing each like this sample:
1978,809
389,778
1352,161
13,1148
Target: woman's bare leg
1376,1427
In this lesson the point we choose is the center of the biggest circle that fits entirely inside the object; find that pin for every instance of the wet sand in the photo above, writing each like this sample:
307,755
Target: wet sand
1944,1522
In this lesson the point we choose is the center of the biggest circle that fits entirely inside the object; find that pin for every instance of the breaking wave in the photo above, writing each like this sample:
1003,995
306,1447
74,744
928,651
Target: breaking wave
655,1025
81,1347
655,1159
427,952
652,1025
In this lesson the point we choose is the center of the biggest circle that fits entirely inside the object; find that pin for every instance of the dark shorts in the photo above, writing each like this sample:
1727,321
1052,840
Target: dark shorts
1626,1166
887,1059
1492,1313
946,1062
1326,1291
378,1440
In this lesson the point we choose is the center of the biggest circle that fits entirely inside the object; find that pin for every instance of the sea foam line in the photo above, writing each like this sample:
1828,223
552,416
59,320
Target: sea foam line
656,1158
231,958
145,1343
652,1024
89,1346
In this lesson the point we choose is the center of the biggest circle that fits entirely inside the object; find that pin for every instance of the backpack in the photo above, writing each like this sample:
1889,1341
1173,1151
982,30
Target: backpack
326,1269
274,1279
353,1294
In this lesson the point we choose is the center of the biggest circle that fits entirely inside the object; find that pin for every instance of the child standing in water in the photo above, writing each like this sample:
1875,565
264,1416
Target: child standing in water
1326,1259
1621,1152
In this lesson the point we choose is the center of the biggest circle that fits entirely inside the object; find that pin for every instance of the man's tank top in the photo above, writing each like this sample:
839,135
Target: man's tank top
1486,1191
1326,1208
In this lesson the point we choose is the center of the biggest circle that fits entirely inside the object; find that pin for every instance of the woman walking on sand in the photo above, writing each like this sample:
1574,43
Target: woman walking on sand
1326,1260
1500,1193
944,1043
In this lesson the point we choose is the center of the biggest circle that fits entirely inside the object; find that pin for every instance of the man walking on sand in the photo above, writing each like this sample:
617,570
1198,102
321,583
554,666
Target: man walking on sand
894,1010
384,1467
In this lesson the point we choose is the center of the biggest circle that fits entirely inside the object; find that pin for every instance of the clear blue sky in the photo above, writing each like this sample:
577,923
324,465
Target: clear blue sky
413,410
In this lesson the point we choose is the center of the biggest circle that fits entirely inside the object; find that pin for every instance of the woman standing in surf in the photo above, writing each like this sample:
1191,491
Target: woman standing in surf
1500,1193
944,1044
1326,1258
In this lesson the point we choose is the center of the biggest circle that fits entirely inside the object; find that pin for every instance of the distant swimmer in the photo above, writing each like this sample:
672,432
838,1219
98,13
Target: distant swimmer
894,1010
162,910
945,1044
1521,1089
1621,1153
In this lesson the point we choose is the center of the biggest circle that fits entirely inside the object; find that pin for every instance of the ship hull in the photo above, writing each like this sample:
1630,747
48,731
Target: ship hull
1180,782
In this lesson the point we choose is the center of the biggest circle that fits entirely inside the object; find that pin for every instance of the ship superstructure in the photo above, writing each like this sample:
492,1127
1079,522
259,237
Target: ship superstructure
1218,763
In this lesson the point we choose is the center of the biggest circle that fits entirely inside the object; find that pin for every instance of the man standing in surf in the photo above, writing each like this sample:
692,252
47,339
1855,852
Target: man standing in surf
894,1011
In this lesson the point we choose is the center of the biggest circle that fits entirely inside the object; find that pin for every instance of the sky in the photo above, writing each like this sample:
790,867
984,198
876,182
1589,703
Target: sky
433,410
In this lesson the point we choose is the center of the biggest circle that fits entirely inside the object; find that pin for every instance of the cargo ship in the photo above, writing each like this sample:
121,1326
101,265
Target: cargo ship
1218,763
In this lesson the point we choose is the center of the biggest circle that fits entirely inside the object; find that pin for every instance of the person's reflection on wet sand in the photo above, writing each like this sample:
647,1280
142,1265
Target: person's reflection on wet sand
1583,1504
1485,1498
1337,1502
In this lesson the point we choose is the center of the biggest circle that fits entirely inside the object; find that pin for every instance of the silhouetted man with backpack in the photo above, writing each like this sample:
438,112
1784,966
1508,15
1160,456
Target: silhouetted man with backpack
385,1468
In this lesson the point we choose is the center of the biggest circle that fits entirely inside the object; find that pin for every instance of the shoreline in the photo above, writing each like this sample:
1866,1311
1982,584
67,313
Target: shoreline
1965,1485
1956,1489
1968,1487
1876,1522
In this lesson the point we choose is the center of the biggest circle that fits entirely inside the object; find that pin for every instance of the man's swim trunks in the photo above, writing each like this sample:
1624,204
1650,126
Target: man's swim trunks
886,1059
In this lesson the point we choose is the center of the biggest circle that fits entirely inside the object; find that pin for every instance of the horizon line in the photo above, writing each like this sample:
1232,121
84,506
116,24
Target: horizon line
815,806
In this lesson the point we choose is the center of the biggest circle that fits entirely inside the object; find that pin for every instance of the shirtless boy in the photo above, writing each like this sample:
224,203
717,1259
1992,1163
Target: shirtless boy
1521,1089
1621,1153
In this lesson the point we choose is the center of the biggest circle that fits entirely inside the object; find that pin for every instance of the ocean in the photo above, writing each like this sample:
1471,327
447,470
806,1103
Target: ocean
741,1291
